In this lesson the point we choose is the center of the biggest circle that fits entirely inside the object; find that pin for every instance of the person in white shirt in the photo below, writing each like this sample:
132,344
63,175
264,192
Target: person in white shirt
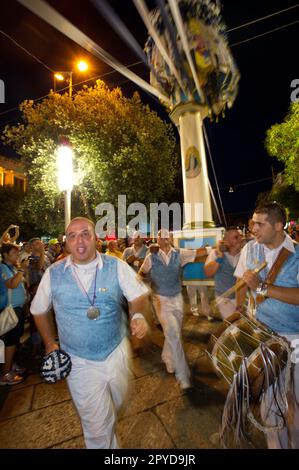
86,289
164,264
135,254
221,264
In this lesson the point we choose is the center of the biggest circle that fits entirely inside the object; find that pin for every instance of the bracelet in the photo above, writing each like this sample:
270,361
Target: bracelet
219,260
21,271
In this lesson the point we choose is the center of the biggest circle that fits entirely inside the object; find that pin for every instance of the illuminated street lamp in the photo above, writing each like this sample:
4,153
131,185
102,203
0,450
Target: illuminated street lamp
65,177
82,66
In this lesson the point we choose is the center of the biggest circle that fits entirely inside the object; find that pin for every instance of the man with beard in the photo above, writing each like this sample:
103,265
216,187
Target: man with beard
276,293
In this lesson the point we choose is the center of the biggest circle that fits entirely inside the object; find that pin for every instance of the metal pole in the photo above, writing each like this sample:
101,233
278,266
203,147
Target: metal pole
67,207
71,84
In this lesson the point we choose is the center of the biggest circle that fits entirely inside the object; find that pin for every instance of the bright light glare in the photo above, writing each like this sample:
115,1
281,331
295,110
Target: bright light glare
82,66
65,168
58,76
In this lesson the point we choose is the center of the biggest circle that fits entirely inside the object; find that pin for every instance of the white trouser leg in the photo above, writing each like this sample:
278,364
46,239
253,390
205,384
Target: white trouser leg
98,390
205,306
2,349
169,311
192,295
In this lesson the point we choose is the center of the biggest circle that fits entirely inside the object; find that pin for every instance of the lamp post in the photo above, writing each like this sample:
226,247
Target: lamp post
81,66
61,76
65,177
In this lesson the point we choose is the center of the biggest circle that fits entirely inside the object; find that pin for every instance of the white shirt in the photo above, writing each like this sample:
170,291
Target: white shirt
186,256
133,250
232,259
131,286
270,256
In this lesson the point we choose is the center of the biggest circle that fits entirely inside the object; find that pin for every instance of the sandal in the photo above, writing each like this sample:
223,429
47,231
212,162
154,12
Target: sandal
10,378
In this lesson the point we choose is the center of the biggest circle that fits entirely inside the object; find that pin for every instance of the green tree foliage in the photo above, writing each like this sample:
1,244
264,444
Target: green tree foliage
282,192
282,142
120,146
11,202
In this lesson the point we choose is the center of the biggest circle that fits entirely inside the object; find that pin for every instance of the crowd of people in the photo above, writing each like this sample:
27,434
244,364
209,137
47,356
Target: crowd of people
99,292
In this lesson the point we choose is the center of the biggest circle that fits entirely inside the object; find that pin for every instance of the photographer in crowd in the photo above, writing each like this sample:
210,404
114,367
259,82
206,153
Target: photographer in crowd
7,237
12,280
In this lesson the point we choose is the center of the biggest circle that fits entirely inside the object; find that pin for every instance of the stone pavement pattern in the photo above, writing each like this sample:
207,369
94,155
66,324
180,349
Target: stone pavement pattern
157,415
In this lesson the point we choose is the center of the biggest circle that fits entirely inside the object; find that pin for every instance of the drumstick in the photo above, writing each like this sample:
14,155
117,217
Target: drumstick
242,283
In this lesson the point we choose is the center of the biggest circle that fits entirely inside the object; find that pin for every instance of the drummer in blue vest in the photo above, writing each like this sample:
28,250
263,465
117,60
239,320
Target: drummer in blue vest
164,264
86,290
221,264
279,308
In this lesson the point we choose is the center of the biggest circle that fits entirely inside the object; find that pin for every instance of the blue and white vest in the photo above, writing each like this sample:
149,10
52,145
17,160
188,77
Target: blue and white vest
224,278
166,279
89,339
279,316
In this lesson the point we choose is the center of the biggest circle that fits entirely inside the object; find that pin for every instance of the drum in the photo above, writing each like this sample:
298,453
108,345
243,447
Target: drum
248,339
251,358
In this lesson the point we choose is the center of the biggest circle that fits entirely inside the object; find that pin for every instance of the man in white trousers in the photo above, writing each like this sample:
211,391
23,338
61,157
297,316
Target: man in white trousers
164,264
86,290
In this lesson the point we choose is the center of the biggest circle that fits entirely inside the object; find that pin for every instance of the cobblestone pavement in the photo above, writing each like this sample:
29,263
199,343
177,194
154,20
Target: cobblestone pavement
157,415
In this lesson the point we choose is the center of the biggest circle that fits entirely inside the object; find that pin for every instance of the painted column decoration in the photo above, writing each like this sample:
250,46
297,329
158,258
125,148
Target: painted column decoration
189,120
192,65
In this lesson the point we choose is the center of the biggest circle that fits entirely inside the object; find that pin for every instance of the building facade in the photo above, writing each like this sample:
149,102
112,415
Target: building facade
12,173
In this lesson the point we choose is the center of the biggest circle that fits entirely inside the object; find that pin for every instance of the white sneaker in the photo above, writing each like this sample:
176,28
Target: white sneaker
194,311
184,384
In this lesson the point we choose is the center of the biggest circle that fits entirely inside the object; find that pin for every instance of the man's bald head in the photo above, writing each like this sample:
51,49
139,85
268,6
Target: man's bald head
81,240
83,219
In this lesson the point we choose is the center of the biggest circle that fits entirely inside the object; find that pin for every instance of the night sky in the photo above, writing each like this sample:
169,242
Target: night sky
267,65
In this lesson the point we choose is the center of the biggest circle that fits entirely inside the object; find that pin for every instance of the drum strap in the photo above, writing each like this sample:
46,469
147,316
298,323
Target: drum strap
276,267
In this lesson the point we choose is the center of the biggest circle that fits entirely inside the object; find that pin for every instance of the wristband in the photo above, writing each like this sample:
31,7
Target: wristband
219,260
137,315
209,249
21,271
